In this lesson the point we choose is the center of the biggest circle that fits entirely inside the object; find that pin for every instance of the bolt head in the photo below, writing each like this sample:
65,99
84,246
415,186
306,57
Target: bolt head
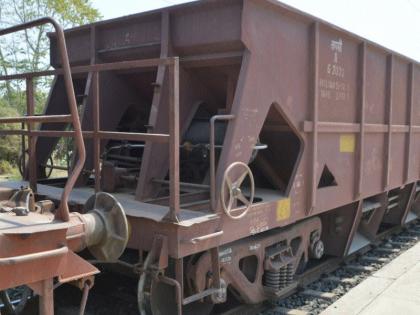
236,191
317,249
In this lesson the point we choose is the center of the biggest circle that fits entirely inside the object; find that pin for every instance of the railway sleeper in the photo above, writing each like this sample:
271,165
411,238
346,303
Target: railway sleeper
408,238
349,281
289,311
376,260
387,250
397,243
319,294
359,268
414,231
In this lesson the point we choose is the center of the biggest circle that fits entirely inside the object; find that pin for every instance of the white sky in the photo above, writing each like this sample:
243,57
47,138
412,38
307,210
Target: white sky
392,23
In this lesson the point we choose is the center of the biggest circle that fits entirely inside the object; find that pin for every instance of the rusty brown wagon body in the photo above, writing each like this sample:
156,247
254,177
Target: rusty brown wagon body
241,138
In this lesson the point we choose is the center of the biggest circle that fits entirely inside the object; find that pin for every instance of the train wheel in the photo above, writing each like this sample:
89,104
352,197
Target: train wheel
16,304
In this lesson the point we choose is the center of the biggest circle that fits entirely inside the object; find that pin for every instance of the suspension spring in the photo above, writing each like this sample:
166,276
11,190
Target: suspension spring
283,277
290,274
279,279
272,279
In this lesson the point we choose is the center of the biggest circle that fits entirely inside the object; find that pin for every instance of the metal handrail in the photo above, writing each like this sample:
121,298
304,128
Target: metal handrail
99,67
213,157
36,119
172,137
63,209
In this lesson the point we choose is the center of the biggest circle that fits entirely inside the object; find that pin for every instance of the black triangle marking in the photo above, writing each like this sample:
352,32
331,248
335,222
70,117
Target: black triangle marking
327,178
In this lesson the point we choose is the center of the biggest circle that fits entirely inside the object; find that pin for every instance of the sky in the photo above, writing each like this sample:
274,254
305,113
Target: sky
391,23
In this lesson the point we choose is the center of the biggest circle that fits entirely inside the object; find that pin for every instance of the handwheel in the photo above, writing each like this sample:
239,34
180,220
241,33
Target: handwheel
235,190
48,168
15,306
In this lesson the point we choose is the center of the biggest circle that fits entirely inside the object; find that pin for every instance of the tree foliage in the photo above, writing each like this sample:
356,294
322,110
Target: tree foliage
28,51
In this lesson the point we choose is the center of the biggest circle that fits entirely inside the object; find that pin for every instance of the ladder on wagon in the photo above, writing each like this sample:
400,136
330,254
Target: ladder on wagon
30,119
172,138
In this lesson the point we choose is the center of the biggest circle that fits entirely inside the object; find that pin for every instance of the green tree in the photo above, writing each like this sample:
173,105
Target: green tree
28,51
9,145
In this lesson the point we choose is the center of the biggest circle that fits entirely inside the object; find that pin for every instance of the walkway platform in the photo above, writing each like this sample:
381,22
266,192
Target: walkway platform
394,289
132,207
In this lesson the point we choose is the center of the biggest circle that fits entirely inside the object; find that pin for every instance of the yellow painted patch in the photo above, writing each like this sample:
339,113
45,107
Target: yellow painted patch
347,143
283,209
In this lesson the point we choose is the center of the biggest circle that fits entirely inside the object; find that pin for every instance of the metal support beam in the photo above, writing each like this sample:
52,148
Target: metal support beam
315,101
30,109
174,140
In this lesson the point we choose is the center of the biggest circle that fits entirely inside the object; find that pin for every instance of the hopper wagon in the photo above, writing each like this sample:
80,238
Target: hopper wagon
219,149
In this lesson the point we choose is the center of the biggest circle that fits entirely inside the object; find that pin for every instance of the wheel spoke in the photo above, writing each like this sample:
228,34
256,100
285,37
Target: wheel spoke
117,237
229,183
243,199
240,180
230,205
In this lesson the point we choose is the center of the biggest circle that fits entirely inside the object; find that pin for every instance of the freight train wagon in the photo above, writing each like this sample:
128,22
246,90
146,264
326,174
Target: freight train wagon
221,147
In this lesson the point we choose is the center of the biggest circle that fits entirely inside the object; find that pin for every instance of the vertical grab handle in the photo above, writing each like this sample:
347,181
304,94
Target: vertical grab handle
213,157
63,210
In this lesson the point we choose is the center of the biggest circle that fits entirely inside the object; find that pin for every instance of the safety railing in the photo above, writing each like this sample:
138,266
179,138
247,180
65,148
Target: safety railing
63,210
172,138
